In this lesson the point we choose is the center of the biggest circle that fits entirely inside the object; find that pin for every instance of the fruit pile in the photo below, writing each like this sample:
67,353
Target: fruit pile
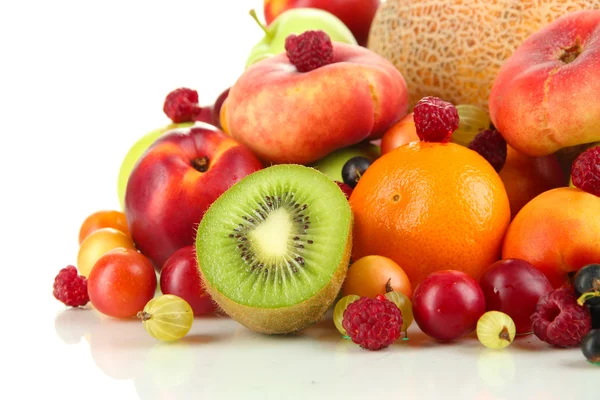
310,184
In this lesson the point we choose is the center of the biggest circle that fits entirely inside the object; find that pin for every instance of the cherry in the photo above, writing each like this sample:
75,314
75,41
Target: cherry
514,287
180,277
448,304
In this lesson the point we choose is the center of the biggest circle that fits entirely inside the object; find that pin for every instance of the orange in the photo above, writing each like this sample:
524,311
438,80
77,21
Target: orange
431,207
374,275
103,219
558,232
526,177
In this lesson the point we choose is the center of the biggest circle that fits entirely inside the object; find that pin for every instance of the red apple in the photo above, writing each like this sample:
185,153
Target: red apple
180,277
174,183
287,116
357,15
545,95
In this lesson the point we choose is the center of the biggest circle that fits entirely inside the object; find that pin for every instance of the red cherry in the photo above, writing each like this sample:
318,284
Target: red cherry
514,287
180,277
448,304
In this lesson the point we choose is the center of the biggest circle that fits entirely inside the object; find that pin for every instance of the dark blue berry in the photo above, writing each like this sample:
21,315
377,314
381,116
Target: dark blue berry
354,169
587,280
590,346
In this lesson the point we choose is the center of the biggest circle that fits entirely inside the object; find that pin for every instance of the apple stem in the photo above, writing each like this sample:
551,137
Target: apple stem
200,164
262,26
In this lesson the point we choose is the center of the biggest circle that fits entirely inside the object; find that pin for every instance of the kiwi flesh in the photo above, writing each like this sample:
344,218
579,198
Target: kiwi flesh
273,250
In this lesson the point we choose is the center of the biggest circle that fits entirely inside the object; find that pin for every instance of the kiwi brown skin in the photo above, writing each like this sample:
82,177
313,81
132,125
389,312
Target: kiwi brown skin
284,320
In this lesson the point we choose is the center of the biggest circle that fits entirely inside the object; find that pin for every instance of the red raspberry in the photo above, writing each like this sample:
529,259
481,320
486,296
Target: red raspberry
310,50
373,324
181,105
585,171
435,119
71,288
558,319
490,144
345,188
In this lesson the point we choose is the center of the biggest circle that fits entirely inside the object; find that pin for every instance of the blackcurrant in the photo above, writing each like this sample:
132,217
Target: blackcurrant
595,310
587,281
590,346
354,169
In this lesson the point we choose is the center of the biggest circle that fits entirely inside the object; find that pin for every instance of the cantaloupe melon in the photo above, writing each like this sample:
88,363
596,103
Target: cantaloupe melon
453,49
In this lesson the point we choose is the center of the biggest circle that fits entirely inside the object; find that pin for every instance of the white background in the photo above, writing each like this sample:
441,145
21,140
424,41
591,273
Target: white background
80,82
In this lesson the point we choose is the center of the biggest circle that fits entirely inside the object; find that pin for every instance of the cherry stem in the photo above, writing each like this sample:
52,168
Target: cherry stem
504,335
144,316
200,164
588,295
262,26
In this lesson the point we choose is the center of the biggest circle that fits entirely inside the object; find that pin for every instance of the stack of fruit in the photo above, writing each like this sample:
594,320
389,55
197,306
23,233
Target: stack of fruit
312,182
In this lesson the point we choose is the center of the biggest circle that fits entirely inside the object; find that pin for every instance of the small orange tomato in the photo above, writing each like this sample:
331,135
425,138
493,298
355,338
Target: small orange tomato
97,244
373,275
400,133
103,219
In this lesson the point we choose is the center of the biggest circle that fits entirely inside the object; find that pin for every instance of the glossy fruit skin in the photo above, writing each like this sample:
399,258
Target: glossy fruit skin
167,196
134,154
595,310
542,233
590,346
167,318
332,164
338,312
357,15
514,287
121,283
103,219
354,169
98,243
180,277
526,177
369,276
405,306
297,21
496,330
448,304
587,279
402,132
472,120
427,205
216,108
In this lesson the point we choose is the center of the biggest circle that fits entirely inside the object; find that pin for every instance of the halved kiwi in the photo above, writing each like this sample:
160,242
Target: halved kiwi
273,250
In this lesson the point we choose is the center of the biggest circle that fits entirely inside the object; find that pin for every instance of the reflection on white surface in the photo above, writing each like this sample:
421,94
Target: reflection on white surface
221,359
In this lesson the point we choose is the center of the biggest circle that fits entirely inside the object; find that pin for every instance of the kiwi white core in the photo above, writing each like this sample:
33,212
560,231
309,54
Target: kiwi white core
271,238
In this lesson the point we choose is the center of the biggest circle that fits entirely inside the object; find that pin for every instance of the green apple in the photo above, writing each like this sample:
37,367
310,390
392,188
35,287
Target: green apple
332,164
297,21
136,151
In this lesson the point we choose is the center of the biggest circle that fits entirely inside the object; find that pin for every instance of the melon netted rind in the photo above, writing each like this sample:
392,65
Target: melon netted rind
453,49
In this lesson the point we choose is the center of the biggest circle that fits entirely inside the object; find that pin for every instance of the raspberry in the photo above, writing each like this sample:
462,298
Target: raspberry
310,50
585,171
181,105
490,144
435,119
373,324
558,319
345,188
71,288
